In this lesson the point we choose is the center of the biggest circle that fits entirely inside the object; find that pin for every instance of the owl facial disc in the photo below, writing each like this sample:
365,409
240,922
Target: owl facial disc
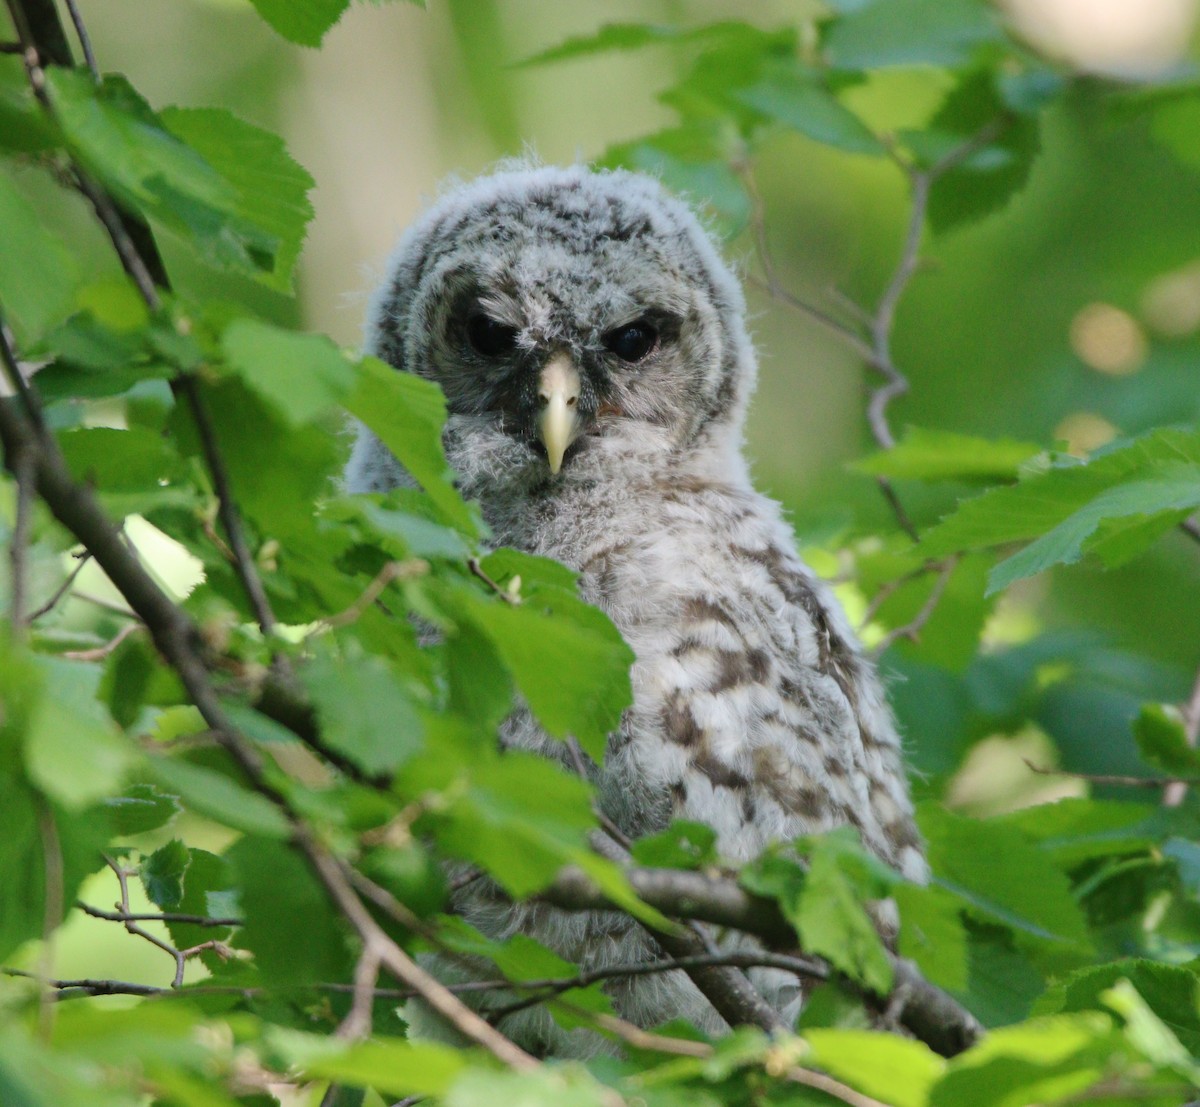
558,397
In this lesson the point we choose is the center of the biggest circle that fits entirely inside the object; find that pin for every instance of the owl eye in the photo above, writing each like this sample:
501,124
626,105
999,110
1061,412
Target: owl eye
633,341
490,337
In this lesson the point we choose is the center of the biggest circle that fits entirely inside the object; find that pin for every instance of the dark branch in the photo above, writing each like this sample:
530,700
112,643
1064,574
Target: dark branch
927,1012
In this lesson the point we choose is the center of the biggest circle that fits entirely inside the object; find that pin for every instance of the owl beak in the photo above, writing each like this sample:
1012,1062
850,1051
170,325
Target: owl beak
558,415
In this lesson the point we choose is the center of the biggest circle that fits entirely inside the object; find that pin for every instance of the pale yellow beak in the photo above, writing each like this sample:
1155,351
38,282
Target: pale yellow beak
558,419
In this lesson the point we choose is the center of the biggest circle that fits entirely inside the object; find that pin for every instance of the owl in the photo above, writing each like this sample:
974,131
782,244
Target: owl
593,350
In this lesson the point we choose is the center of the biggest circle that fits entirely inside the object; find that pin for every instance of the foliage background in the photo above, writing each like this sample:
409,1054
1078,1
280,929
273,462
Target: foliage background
1070,314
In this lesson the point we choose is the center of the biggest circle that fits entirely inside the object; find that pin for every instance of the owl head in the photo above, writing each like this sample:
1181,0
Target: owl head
577,321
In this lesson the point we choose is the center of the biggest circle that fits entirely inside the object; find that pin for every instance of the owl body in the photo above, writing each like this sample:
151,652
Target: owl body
754,710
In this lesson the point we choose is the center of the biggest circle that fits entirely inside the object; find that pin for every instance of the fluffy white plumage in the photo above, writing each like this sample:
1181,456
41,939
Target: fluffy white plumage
754,710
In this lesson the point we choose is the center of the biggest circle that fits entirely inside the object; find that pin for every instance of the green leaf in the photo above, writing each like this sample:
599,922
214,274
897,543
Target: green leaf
1177,126
208,890
882,1065
521,817
279,473
112,131
141,807
1044,499
1147,1033
788,95
407,414
692,160
910,32
300,375
996,169
301,21
1076,830
394,1067
1000,876
162,874
612,36
1162,741
113,460
400,522
367,711
683,845
73,751
1041,1061
290,924
1172,992
566,658
934,455
831,919
38,274
271,189
1177,491
24,127
213,794
544,1087
932,934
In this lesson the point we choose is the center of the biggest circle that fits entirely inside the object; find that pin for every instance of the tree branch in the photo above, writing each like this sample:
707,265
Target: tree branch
928,1012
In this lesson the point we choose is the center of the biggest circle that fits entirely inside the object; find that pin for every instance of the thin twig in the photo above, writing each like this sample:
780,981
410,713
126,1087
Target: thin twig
392,571
133,928
771,283
544,990
477,571
358,1021
912,629
160,916
81,560
1109,778
1191,528
104,604
243,560
85,42
101,652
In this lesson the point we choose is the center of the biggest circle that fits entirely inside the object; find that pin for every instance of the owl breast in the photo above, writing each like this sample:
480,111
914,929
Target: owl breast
753,710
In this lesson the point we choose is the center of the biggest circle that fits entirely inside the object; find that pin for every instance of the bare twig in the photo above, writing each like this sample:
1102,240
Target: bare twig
134,928
477,571
81,560
771,284
726,987
85,42
243,560
1191,528
912,629
111,606
358,1021
101,652
543,990
1113,779
158,916
392,571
